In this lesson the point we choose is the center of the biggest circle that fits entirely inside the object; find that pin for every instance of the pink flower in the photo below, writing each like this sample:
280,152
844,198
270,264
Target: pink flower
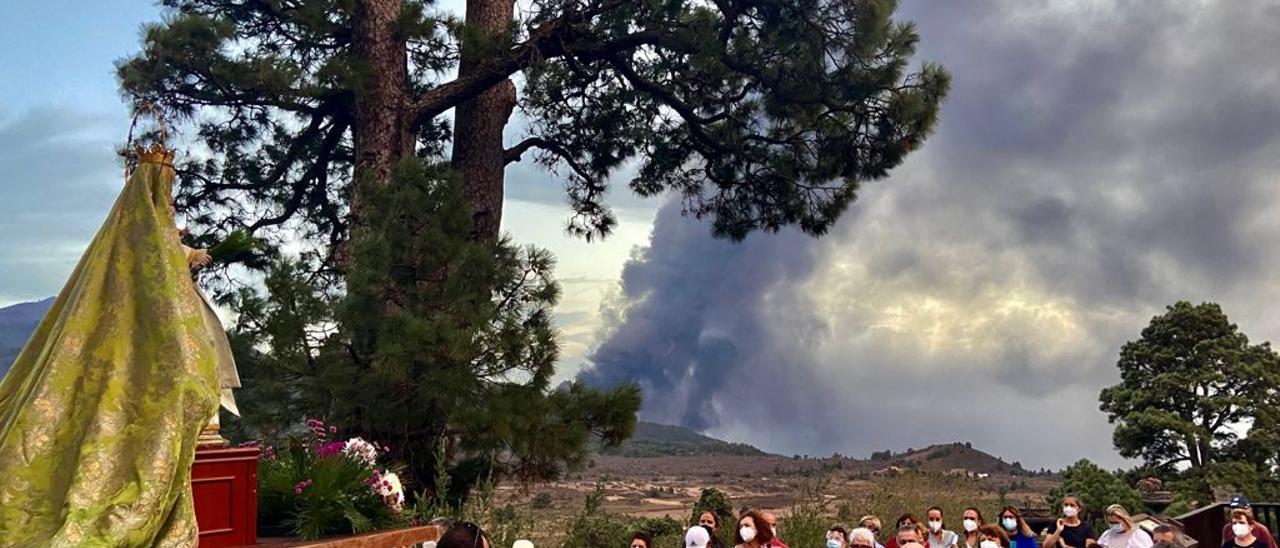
302,485
329,449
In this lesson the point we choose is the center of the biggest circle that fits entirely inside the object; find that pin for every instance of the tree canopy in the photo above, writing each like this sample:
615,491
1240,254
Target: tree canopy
1194,392
759,113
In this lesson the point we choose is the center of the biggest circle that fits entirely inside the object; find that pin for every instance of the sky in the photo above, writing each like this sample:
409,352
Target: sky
1095,162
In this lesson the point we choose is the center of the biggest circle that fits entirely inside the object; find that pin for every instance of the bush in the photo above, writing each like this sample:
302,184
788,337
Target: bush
315,488
541,501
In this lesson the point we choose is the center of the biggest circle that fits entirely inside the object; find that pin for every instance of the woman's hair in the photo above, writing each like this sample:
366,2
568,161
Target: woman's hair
863,535
464,534
764,535
1242,513
976,511
1075,500
648,540
1119,511
842,529
1023,527
995,532
715,518
874,521
905,517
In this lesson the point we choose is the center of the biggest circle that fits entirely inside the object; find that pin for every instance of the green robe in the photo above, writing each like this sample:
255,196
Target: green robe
100,413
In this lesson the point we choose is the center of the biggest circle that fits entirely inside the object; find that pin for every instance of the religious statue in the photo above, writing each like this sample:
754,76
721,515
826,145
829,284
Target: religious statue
101,412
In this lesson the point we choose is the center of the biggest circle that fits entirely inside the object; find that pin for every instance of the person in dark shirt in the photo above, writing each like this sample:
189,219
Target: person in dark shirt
1070,531
1238,502
1242,528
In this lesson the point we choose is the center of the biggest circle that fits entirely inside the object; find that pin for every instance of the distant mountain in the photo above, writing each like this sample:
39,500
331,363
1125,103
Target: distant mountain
947,458
16,324
660,440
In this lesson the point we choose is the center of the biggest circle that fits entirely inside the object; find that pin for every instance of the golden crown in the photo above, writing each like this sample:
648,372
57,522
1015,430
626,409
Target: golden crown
156,153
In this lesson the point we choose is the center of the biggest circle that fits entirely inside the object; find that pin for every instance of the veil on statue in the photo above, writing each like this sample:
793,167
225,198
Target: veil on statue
101,412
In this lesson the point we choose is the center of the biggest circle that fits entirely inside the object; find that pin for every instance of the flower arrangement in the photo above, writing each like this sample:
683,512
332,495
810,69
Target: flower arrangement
314,486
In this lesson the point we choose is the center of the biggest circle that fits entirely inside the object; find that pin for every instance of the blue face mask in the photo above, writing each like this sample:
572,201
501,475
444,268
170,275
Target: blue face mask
833,543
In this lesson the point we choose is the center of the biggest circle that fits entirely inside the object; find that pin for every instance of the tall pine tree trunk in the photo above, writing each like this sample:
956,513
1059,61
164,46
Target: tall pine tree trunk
381,128
478,123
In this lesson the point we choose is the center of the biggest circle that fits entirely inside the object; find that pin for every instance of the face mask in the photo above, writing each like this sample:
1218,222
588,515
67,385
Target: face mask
1240,529
774,530
1009,523
1117,527
935,526
970,525
1070,511
833,543
988,544
748,534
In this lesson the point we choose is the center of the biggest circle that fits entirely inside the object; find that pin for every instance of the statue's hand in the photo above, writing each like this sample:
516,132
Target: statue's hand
198,258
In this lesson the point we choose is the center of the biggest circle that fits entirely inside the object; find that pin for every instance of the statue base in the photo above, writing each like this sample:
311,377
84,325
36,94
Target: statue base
224,485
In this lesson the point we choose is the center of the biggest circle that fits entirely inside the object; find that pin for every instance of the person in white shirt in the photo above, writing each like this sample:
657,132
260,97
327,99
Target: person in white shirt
1123,533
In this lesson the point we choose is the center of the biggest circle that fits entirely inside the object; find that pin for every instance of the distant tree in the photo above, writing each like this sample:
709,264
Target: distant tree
1188,385
1096,488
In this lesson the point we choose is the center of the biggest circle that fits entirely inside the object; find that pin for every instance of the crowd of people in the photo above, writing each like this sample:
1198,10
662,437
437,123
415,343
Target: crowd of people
759,529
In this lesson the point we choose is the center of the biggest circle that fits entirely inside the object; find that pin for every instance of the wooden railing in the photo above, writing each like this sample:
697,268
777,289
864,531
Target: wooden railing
1205,524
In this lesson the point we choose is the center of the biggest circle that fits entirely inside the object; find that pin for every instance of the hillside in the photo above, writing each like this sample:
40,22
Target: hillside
659,440
16,324
949,457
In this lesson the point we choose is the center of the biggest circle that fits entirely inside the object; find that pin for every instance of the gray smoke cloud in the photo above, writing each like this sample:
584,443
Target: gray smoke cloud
1096,161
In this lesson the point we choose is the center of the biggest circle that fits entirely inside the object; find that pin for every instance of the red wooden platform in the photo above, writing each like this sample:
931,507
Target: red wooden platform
224,483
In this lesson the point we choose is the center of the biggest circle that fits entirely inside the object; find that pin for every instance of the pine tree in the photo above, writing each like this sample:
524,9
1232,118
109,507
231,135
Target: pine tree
441,342
760,113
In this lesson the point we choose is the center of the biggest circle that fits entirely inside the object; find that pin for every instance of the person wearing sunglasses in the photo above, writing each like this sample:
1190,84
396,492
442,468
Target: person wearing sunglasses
1019,531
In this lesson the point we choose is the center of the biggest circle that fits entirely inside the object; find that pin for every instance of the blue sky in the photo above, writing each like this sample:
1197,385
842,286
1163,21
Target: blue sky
1096,161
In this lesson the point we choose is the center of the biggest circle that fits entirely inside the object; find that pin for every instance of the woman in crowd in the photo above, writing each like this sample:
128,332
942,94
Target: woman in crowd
1242,529
872,523
972,521
753,531
904,520
641,540
992,536
838,536
711,521
863,537
939,536
1122,532
1070,531
1020,533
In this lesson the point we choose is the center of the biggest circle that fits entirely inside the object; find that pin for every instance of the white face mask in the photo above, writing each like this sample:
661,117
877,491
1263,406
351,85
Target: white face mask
1117,527
774,530
748,534
1240,529
935,525
988,544
1009,523
970,525
1070,511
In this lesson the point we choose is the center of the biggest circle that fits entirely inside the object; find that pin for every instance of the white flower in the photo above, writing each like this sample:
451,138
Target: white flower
390,489
361,451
